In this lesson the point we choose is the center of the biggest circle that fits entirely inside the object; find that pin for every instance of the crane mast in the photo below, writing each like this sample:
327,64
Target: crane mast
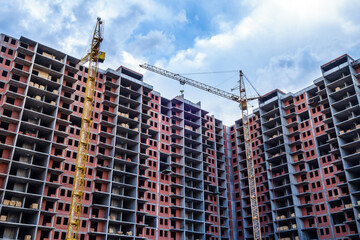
249,160
93,57
242,100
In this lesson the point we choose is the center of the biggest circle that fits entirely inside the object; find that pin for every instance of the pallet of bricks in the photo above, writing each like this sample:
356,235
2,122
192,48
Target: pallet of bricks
11,203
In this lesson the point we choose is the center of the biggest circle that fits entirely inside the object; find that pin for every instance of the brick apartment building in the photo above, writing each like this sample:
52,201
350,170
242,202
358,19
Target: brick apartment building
163,168
307,159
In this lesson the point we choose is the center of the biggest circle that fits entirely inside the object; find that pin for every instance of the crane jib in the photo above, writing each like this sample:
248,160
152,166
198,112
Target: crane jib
242,99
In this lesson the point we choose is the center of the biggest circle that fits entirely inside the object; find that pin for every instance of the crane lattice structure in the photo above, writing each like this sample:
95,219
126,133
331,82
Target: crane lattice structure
93,57
242,100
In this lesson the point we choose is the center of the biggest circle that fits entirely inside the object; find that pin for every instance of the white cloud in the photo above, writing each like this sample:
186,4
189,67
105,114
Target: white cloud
188,59
153,42
290,71
278,43
59,19
36,9
75,44
274,27
181,17
130,60
54,14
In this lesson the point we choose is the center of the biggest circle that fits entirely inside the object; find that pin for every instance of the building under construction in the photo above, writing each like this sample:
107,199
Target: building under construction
163,168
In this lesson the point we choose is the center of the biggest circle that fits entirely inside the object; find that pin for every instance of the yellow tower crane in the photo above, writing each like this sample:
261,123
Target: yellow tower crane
93,57
243,101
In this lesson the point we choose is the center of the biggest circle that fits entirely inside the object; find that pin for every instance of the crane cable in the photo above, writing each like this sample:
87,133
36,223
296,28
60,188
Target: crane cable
225,71
216,72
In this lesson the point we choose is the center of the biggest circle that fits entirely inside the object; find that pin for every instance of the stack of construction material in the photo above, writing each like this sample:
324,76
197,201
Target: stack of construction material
34,206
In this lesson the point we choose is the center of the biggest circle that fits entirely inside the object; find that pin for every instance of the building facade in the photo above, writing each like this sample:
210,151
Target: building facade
156,166
163,168
306,150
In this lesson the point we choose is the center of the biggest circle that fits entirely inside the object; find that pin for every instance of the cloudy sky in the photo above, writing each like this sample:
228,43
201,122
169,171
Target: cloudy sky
277,43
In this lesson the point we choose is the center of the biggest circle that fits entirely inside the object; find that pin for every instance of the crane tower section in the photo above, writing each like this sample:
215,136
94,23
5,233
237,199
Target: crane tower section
249,160
93,57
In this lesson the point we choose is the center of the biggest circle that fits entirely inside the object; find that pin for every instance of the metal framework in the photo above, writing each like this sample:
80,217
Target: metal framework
184,80
93,57
249,160
242,99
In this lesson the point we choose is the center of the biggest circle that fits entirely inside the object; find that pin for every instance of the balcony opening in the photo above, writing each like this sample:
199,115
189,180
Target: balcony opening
4,125
49,206
2,139
20,55
54,178
67,94
18,66
63,116
58,152
24,45
65,105
60,139
62,128
339,218
10,100
13,88
7,112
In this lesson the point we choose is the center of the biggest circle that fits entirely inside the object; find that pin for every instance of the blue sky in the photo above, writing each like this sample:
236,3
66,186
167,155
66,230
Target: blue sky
277,43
